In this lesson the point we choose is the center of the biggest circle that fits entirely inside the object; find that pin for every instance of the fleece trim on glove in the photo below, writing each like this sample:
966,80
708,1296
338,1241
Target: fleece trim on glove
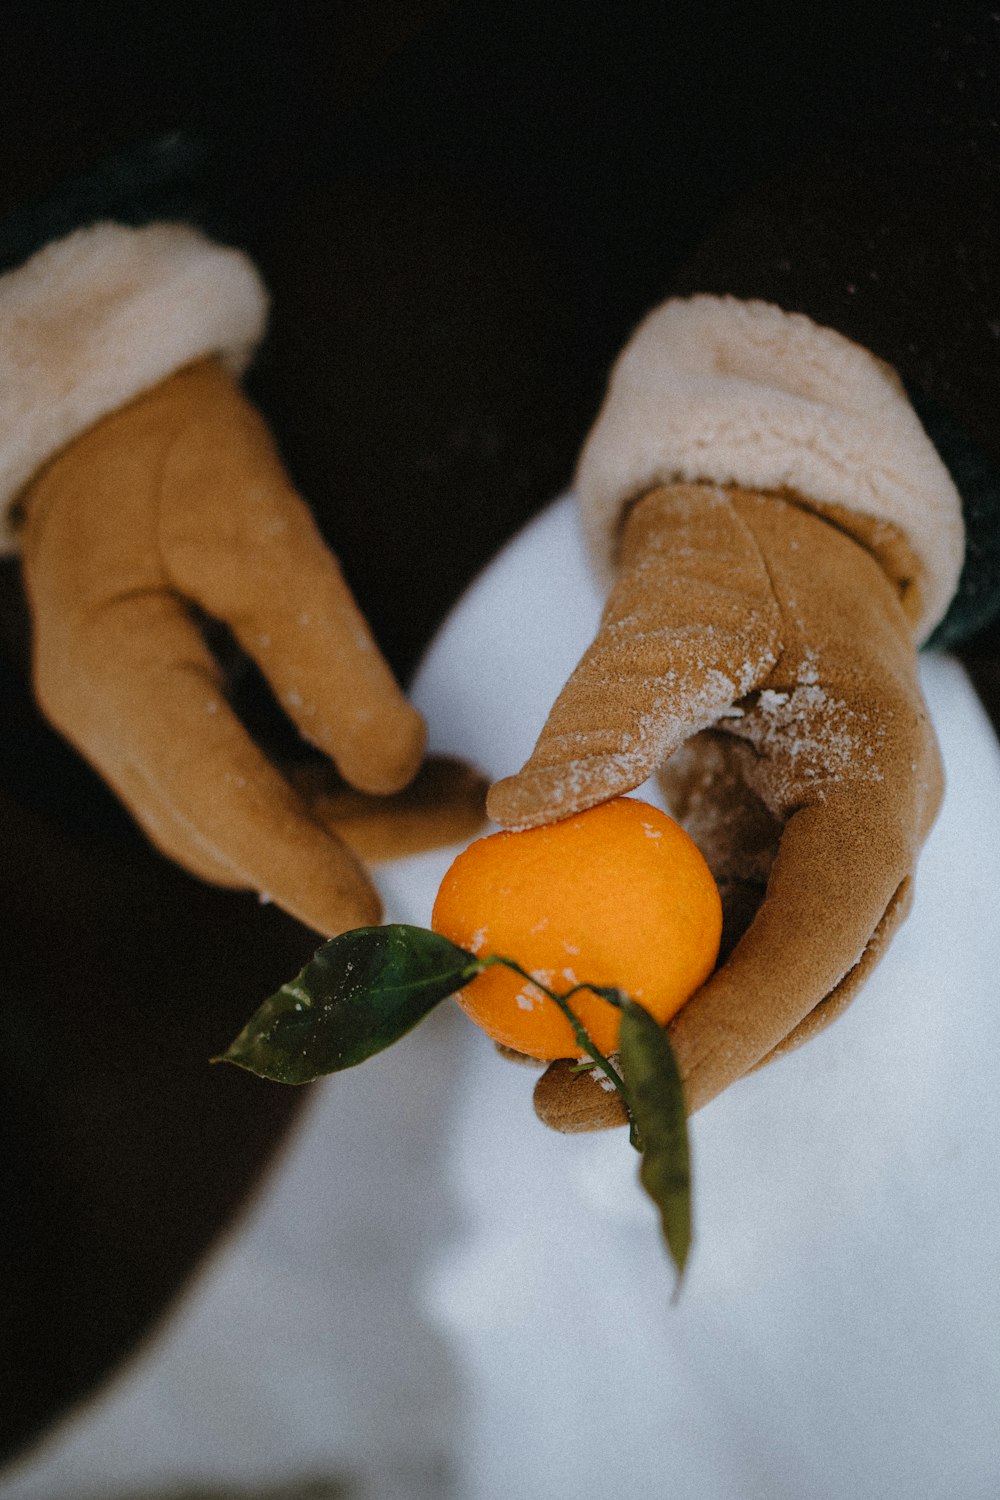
95,319
712,389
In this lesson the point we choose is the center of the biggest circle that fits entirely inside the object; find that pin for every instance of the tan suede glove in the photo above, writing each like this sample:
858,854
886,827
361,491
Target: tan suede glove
763,657
180,499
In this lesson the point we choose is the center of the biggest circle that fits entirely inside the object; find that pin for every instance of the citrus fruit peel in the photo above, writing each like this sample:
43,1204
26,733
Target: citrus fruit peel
618,896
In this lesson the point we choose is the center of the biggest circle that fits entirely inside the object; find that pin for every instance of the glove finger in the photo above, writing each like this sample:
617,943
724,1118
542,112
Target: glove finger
198,784
317,652
237,538
444,804
185,845
839,863
574,1103
157,815
690,626
834,1005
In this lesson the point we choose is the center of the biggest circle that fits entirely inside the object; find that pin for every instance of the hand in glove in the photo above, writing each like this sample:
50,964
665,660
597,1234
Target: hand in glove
775,650
180,499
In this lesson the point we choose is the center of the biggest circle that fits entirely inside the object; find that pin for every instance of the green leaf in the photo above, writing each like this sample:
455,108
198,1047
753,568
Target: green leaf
608,992
358,994
656,1100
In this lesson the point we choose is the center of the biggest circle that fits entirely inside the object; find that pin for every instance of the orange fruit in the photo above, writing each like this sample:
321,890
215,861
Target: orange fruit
618,895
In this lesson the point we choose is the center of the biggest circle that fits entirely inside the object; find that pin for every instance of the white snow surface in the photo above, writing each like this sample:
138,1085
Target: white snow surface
436,1294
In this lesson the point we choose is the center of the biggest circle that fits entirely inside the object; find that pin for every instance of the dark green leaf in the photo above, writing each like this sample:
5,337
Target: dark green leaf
608,992
656,1100
359,993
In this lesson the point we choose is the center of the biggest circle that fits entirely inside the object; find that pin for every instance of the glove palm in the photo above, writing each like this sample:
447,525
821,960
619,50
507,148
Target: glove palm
771,651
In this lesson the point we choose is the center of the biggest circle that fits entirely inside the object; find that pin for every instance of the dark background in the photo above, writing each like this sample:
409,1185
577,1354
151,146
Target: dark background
461,210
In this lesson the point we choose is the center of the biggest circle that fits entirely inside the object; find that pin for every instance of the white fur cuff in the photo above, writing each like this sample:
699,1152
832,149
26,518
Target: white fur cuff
94,319
733,392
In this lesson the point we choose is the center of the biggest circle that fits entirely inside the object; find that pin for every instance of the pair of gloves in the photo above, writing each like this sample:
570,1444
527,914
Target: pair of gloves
778,536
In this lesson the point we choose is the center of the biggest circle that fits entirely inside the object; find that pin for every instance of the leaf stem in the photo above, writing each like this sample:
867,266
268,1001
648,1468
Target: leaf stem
583,1039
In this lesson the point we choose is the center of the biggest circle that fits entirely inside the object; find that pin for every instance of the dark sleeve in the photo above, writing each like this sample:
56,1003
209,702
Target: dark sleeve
890,236
177,176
